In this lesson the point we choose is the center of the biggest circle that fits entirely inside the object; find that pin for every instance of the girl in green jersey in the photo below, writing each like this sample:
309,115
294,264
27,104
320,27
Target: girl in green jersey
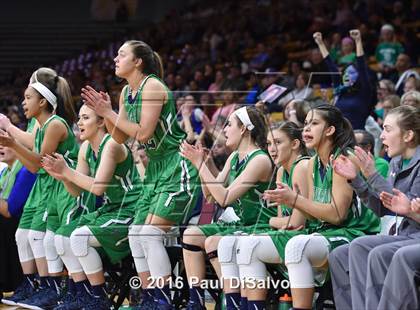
287,151
48,100
147,114
105,168
238,188
332,216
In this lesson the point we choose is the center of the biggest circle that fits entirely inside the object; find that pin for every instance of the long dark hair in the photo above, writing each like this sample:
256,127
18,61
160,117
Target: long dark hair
259,132
343,136
152,63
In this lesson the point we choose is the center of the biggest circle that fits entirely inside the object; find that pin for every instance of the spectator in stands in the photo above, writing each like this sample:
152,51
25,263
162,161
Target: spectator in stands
301,91
319,70
411,98
385,88
260,58
359,270
411,83
296,110
15,185
402,72
388,50
366,141
353,95
229,103
347,55
389,103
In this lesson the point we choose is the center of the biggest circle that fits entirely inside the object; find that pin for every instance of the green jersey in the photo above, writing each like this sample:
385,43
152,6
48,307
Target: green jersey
287,178
387,52
125,186
358,217
68,148
250,207
168,134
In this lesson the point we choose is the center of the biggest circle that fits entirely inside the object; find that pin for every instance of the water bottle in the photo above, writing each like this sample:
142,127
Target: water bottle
285,302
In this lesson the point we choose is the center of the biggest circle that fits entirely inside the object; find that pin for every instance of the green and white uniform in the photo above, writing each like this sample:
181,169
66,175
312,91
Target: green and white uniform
49,202
287,178
109,223
250,207
359,221
170,182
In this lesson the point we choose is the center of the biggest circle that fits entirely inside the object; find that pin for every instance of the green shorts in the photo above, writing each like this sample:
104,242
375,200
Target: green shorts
170,190
34,215
110,229
223,229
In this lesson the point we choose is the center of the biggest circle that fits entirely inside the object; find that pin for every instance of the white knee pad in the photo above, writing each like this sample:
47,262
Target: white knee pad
302,254
36,239
79,241
151,238
55,265
23,246
82,242
226,252
246,247
137,249
62,244
294,249
315,247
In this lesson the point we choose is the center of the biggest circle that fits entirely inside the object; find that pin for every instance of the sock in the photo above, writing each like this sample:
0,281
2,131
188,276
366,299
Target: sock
233,301
197,295
99,290
163,294
244,303
147,293
43,282
256,304
71,286
83,286
55,283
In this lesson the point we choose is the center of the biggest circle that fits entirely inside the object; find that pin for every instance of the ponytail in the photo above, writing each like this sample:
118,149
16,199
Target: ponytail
152,63
66,109
60,88
159,65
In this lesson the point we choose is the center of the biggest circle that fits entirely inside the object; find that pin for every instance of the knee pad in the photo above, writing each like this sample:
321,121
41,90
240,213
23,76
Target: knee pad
151,236
137,250
49,245
36,239
294,249
157,258
79,241
245,249
23,246
315,247
59,244
227,250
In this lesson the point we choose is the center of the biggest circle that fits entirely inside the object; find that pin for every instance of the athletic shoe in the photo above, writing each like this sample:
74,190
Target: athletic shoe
45,298
162,305
98,303
25,290
75,302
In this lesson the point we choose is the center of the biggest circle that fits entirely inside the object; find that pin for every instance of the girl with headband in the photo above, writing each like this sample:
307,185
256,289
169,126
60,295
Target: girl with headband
48,203
238,188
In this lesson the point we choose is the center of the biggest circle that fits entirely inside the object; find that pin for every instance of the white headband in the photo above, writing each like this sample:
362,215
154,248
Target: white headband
242,114
46,93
